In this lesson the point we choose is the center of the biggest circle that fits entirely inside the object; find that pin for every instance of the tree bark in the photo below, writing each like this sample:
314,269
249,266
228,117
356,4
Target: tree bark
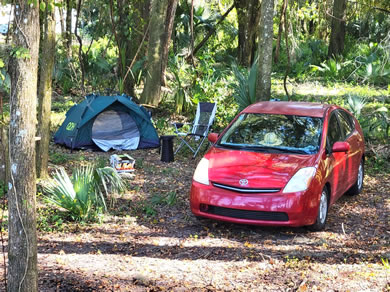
128,43
45,92
337,34
280,31
170,16
248,17
68,35
23,68
152,89
62,20
263,84
81,54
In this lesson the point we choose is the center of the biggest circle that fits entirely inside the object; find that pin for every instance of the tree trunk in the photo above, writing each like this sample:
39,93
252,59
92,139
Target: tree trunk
23,68
4,154
171,10
280,31
152,89
62,20
263,84
248,17
68,35
45,92
337,34
139,15
81,54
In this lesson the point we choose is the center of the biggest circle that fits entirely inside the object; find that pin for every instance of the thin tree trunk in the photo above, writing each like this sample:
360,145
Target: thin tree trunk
337,34
127,50
287,51
45,92
62,20
212,31
81,56
248,17
171,10
263,84
152,90
192,34
4,171
280,32
68,35
23,69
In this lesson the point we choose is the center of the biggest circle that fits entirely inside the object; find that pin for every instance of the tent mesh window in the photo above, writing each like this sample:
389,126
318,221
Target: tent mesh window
115,129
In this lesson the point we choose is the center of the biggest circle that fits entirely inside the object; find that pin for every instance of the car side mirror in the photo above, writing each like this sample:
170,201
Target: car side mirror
213,137
341,147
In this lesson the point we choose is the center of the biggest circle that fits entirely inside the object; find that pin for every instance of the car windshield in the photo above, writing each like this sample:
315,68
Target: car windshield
274,133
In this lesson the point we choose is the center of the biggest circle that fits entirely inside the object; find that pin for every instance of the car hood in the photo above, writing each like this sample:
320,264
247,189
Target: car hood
261,170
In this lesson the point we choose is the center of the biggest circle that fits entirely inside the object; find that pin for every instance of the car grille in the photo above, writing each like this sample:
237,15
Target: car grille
245,190
246,214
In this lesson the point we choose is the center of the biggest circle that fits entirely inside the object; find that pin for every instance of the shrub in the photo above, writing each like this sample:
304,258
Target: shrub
83,194
245,86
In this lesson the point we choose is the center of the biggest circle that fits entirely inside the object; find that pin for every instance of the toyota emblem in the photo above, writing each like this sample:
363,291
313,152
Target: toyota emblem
243,182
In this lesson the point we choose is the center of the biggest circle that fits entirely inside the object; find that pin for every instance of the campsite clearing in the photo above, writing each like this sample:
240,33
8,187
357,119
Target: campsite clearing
152,242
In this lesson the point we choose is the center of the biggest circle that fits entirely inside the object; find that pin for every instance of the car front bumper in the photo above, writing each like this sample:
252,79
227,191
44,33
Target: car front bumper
266,209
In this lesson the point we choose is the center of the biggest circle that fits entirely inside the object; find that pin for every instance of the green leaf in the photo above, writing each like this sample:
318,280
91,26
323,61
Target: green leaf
42,6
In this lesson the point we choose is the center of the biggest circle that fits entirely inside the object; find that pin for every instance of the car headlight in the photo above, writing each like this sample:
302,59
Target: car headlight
301,180
201,174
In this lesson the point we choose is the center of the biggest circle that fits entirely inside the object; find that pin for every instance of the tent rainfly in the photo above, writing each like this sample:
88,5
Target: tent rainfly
107,122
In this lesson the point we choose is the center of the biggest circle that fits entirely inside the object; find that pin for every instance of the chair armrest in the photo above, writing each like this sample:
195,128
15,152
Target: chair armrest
178,125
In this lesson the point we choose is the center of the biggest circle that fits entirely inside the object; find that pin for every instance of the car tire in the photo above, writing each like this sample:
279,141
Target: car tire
322,215
356,189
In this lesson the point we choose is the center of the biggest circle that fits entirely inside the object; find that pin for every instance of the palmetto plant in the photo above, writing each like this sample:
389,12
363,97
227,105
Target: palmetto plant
83,194
245,87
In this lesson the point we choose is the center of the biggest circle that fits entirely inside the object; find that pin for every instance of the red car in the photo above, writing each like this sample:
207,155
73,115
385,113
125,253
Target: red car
280,164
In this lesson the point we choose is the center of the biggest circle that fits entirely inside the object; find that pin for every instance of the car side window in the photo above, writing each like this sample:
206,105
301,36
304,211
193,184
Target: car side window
345,123
334,131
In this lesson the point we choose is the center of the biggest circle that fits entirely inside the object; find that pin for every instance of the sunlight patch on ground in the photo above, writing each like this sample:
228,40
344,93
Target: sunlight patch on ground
235,275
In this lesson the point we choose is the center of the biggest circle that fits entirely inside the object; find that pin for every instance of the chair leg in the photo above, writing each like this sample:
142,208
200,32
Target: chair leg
200,145
184,142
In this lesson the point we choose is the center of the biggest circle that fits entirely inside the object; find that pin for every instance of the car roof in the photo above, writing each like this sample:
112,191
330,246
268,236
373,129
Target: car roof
308,109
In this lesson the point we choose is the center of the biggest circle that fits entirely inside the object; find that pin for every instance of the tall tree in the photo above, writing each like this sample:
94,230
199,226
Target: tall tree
23,69
68,22
152,89
129,22
263,84
45,88
337,34
170,16
248,17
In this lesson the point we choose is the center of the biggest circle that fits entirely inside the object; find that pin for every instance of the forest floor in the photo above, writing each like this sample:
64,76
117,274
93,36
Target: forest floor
152,242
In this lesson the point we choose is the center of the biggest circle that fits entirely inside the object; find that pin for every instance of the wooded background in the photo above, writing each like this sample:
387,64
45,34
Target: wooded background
170,55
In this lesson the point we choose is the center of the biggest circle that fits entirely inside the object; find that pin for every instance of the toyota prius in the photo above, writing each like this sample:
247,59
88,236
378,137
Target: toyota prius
280,164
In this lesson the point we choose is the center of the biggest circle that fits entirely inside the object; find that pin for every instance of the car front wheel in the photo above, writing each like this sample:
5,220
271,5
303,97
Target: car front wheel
322,212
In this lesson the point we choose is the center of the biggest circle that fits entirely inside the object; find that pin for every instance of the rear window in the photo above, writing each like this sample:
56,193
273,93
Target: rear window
274,133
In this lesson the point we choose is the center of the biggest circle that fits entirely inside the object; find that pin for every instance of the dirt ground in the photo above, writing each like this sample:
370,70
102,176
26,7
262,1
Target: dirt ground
151,243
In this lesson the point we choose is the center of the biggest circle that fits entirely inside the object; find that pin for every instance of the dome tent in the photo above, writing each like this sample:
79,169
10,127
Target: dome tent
107,122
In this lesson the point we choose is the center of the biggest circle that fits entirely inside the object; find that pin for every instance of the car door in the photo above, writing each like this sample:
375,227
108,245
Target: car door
354,139
337,161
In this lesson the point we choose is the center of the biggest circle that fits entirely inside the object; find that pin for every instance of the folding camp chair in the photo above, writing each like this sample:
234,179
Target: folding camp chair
205,114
